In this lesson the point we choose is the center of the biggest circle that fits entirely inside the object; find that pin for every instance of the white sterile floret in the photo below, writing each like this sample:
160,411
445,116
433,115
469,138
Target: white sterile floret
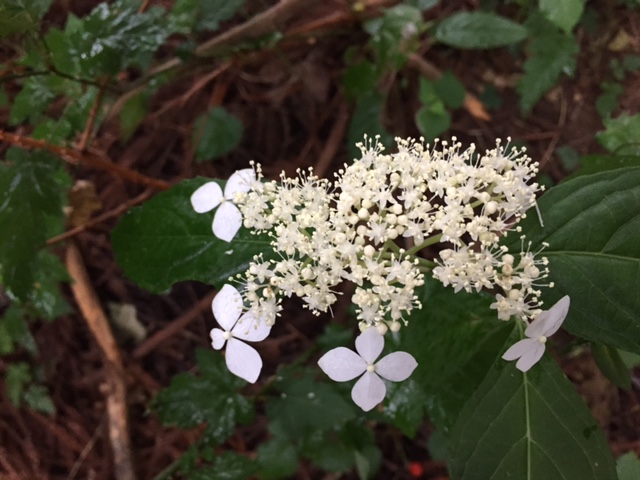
228,219
342,364
242,360
531,349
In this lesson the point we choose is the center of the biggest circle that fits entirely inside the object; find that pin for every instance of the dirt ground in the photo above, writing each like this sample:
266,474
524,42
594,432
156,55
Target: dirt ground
295,114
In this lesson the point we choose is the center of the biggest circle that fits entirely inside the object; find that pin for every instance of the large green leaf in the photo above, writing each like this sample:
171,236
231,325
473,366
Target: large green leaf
18,16
528,426
164,241
477,30
552,53
455,339
215,133
590,164
210,398
591,224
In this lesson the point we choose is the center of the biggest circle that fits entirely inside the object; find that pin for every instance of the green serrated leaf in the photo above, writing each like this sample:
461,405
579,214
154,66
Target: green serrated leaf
302,394
115,36
202,15
32,194
14,331
228,466
45,299
210,398
608,100
620,136
591,224
610,363
32,101
455,339
432,121
479,30
277,458
165,241
403,406
552,53
528,426
20,16
628,466
215,134
565,14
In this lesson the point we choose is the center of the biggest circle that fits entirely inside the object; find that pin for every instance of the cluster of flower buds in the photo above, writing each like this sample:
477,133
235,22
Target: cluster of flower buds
382,224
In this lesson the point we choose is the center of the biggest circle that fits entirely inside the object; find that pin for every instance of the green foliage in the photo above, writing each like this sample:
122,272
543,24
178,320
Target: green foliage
215,134
165,241
528,425
202,15
21,16
132,113
227,466
607,101
31,201
591,224
32,100
367,120
108,40
21,389
14,331
552,53
610,363
394,35
479,30
628,467
455,339
564,14
211,398
590,164
620,136
433,118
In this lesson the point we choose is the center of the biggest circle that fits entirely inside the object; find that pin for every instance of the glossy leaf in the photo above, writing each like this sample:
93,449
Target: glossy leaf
394,35
528,426
32,190
210,398
367,119
591,224
15,332
215,133
590,164
455,339
552,53
478,30
165,241
278,458
628,466
564,14
450,90
19,16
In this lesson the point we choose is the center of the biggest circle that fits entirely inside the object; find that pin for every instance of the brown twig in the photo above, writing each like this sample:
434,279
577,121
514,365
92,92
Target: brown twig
471,103
174,327
89,304
93,113
100,218
86,158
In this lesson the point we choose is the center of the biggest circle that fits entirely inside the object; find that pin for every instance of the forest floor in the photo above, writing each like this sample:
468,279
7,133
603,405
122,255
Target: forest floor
295,115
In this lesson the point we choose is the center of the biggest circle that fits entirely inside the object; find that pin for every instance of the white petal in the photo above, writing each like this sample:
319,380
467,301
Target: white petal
227,307
240,181
557,314
250,329
531,357
217,338
396,366
243,360
518,349
369,344
342,364
227,221
537,327
368,391
207,197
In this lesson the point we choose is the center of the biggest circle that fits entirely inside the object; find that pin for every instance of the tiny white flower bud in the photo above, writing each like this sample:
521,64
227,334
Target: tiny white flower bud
395,326
382,328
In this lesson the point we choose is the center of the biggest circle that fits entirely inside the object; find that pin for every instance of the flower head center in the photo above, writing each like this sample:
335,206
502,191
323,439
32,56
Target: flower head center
226,335
542,339
371,368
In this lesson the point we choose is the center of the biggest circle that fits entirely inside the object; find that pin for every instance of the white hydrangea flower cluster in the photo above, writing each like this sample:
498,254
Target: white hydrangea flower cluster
368,226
